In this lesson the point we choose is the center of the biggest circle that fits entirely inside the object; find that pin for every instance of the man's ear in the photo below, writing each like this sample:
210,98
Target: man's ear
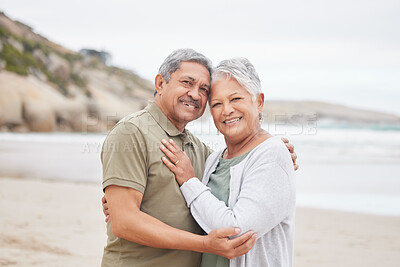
159,82
260,102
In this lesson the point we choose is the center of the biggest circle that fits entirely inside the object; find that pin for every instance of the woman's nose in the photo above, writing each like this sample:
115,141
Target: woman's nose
227,109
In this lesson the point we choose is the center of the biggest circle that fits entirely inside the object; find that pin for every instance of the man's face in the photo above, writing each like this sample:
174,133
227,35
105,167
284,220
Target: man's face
184,98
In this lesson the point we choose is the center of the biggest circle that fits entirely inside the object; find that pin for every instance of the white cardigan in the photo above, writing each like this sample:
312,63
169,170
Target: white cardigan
262,198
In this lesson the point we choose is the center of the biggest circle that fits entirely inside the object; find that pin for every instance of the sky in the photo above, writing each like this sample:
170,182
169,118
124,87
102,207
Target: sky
344,52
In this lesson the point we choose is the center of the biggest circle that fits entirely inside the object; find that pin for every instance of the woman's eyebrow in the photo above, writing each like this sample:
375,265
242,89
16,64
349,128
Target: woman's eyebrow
234,93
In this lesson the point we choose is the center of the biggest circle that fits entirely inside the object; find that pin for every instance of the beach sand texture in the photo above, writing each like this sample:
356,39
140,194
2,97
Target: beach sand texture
54,223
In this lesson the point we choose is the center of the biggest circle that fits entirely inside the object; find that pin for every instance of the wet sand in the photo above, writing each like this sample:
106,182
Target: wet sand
53,223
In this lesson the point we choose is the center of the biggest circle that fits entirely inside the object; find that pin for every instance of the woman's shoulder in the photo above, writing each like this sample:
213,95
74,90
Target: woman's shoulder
271,150
273,145
214,156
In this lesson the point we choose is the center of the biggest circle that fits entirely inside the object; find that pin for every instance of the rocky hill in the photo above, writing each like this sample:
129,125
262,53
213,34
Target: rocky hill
46,87
295,112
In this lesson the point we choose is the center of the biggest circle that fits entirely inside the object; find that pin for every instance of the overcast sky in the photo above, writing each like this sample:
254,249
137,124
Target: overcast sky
338,51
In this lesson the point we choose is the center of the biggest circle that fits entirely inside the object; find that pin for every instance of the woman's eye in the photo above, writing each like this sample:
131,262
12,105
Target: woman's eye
216,104
236,98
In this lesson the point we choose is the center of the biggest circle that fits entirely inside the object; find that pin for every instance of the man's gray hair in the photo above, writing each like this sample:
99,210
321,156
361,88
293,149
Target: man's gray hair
173,62
242,71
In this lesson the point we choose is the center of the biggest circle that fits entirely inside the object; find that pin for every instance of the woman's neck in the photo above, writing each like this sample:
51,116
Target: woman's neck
238,148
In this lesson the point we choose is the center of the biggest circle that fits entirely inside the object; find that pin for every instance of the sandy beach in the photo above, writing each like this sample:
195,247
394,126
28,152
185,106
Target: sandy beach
54,223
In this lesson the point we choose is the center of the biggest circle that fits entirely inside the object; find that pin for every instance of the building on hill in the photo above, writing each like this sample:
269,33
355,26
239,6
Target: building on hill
103,56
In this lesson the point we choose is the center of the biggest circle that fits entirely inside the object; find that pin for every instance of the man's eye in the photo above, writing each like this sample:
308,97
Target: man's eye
204,89
187,83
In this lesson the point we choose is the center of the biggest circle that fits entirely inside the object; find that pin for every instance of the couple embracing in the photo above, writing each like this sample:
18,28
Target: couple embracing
171,201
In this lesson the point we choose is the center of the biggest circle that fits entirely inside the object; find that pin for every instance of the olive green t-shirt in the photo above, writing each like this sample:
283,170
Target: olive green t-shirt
219,186
131,157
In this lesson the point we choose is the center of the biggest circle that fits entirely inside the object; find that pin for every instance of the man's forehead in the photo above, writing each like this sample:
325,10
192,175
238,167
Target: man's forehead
192,75
192,67
194,79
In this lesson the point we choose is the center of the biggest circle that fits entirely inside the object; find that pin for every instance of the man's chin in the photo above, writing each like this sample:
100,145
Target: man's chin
191,111
189,116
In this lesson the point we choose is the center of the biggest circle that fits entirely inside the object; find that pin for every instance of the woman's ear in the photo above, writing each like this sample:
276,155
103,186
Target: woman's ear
159,82
260,102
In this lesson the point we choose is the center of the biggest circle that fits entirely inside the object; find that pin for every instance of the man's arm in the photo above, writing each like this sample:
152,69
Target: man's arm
130,223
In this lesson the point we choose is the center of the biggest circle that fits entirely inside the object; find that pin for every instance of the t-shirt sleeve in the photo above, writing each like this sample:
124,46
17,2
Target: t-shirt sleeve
124,157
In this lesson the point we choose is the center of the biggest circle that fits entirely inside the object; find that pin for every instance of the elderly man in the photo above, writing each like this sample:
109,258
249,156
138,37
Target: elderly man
150,224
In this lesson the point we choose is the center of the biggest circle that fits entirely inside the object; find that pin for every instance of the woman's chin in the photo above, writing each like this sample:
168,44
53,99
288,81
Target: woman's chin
232,132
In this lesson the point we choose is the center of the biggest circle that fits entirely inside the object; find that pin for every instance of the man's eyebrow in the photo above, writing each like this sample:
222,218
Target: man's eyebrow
193,80
189,78
206,85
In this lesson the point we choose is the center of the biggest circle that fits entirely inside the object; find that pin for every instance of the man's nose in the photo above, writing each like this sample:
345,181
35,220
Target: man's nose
194,93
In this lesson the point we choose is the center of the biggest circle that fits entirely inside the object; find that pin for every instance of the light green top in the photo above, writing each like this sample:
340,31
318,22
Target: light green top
219,185
131,157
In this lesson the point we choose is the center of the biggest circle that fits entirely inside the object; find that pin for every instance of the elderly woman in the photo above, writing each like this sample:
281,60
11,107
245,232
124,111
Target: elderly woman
250,184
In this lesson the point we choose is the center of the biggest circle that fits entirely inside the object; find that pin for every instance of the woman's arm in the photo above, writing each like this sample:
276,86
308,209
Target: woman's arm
265,199
130,223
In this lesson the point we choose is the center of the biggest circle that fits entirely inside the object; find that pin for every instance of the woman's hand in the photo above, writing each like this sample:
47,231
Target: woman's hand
179,163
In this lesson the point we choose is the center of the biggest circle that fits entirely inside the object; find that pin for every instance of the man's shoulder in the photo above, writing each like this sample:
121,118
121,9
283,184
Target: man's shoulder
137,120
136,117
129,125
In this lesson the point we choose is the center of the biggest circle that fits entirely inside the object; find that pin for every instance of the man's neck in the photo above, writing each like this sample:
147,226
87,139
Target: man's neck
179,126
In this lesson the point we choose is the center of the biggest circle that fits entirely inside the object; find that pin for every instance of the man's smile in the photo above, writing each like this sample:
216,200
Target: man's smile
190,103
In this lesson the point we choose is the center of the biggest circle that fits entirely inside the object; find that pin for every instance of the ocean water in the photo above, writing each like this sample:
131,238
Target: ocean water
349,169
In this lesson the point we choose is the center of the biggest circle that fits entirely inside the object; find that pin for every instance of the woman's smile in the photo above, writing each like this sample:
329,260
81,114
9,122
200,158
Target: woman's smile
234,121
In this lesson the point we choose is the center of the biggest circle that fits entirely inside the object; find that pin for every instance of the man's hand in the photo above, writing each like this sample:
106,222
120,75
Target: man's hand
218,242
105,208
290,147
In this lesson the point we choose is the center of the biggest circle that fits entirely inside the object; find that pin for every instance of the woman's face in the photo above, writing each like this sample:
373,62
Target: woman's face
235,113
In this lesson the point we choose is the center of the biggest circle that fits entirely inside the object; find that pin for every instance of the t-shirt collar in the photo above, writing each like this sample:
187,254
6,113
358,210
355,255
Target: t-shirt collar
163,121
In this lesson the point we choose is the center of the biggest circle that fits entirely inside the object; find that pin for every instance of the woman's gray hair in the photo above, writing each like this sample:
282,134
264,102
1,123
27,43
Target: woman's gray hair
242,71
173,62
